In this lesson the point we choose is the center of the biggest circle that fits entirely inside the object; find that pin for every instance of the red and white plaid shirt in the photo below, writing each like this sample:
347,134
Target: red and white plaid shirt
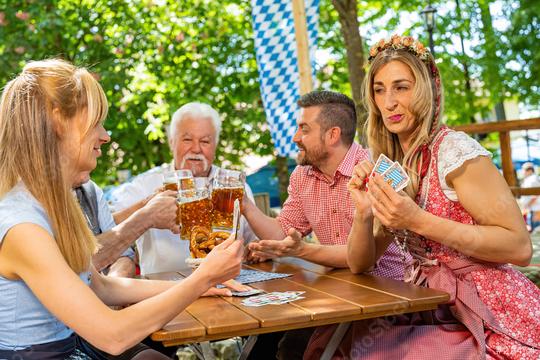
321,205
326,208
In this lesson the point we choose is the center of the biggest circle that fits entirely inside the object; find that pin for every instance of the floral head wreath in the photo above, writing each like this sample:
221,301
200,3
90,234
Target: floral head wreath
397,42
409,44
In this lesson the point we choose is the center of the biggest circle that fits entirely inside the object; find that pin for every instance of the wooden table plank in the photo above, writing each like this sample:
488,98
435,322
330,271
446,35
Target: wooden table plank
318,304
268,316
265,330
416,295
219,316
369,300
182,326
304,264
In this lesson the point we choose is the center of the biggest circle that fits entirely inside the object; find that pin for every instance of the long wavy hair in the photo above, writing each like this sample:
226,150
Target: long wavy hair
35,108
423,107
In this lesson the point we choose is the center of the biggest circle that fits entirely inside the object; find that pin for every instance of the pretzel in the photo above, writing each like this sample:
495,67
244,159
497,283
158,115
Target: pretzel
202,238
199,235
219,236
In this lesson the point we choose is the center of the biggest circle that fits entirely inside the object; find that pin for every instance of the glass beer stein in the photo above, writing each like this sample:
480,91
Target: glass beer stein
170,180
228,186
185,180
195,206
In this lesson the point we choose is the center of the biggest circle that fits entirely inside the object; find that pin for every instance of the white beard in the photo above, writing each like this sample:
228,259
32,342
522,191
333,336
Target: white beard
190,156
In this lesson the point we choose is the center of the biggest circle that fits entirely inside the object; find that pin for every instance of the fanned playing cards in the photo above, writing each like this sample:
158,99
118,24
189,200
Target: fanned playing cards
273,298
391,172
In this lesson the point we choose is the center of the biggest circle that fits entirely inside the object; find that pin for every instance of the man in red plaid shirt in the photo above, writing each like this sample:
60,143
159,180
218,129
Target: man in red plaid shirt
318,197
318,202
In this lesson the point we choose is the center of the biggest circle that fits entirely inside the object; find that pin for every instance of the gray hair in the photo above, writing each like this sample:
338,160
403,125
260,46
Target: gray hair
195,110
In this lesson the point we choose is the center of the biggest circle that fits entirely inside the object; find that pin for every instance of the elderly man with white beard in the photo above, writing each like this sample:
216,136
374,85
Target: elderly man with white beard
193,138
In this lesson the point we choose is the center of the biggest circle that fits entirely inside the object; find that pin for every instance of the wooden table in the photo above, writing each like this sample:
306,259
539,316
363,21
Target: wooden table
331,296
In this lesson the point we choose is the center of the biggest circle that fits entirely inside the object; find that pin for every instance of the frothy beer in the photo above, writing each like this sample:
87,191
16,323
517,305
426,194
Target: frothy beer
170,185
195,213
186,183
223,201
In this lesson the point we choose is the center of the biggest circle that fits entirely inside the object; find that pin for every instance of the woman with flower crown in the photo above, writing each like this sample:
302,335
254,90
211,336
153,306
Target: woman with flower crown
457,219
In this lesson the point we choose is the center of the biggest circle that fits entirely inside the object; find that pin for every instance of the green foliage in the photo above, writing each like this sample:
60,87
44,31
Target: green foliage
501,61
151,57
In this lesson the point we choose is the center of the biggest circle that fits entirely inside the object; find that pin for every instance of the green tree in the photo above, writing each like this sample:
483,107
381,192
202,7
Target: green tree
151,57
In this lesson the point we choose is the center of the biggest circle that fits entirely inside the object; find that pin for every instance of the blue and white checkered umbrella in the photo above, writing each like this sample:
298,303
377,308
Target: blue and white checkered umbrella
277,60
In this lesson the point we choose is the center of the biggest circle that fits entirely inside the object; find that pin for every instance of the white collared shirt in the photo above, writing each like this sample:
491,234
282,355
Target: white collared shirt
161,250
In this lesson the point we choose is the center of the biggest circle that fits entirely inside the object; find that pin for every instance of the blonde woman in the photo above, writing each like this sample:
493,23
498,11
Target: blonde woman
457,219
51,131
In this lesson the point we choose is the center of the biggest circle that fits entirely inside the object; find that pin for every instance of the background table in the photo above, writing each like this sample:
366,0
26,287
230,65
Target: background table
331,296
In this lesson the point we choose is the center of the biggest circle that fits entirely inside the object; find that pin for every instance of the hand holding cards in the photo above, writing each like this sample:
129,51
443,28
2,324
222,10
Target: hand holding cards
391,172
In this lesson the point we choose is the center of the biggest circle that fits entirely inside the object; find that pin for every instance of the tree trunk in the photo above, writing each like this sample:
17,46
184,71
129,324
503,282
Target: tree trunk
469,105
348,19
492,76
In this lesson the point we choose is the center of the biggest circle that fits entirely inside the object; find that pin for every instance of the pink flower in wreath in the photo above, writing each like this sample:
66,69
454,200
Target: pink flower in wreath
380,44
373,51
407,41
396,39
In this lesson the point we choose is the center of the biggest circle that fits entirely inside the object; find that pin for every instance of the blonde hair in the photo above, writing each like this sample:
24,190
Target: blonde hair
423,108
35,107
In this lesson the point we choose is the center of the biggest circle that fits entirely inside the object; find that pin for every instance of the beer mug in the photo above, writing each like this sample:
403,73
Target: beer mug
185,180
170,180
228,186
195,206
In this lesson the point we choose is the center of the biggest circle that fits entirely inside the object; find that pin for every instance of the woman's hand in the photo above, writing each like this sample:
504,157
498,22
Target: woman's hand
357,188
395,210
231,285
223,262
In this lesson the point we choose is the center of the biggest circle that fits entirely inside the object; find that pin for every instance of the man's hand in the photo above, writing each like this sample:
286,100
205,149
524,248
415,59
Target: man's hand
250,258
292,245
162,210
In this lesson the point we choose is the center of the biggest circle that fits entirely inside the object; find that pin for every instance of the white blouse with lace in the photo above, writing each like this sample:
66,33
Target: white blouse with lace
456,148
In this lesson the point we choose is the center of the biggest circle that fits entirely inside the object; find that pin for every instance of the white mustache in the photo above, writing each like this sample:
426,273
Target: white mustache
195,157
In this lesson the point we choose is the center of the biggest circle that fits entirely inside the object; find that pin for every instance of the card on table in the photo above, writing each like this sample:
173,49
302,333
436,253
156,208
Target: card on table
396,177
251,276
273,298
247,293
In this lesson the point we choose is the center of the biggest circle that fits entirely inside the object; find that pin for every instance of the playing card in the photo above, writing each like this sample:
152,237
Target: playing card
246,293
236,218
396,177
382,165
273,298
251,276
